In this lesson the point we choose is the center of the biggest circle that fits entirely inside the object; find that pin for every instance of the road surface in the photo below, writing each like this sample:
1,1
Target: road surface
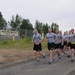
58,67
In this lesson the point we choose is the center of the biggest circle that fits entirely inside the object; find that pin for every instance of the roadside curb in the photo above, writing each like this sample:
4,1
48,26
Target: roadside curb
14,64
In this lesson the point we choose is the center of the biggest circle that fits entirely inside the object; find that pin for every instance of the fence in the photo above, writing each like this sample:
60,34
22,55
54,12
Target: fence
26,33
8,33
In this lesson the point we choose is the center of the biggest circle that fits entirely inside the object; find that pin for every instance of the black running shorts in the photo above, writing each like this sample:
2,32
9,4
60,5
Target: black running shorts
37,47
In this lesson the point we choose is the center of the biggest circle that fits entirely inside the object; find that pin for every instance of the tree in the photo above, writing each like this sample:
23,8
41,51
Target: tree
39,26
54,26
3,22
45,28
16,21
26,24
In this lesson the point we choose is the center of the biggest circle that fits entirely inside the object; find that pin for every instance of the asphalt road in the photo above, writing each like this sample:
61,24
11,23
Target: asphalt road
58,67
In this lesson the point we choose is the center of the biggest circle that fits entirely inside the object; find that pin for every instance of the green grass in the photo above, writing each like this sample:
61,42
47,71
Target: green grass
19,44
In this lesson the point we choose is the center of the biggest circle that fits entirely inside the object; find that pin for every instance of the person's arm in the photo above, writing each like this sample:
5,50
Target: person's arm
32,39
46,38
40,38
68,40
62,40
40,41
55,39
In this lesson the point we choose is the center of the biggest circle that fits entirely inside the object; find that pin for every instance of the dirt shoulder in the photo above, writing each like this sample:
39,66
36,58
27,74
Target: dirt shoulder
15,55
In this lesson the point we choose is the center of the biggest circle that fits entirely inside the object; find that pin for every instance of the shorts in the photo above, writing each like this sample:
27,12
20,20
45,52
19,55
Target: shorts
58,46
37,47
72,46
50,46
65,43
69,44
61,46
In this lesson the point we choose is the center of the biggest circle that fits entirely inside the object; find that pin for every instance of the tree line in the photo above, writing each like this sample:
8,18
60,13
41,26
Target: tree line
21,23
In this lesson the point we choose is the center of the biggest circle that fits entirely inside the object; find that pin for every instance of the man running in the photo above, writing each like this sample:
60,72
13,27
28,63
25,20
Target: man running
50,42
72,44
65,39
37,39
69,44
58,42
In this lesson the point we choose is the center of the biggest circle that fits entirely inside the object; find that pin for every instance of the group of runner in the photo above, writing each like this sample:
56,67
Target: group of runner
56,43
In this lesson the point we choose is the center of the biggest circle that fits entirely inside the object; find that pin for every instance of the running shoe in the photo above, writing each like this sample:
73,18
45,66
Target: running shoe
37,60
59,57
72,60
44,56
50,62
68,56
54,59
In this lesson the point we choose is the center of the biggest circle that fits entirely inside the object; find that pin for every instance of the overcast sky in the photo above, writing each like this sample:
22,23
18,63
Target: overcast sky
61,12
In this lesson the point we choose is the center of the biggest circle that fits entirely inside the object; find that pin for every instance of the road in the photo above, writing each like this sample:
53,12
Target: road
58,67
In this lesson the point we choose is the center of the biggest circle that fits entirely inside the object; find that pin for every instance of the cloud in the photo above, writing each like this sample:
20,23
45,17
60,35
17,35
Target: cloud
47,11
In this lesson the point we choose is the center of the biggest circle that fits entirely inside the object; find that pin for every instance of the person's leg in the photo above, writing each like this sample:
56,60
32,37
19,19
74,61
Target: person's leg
54,51
58,50
69,52
35,49
63,50
59,53
36,55
50,48
40,53
51,56
72,54
65,47
40,50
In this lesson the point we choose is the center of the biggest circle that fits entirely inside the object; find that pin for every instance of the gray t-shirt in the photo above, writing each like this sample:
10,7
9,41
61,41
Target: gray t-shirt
72,38
37,38
58,38
65,37
50,37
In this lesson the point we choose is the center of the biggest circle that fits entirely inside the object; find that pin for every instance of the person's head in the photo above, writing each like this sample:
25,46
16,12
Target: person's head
57,31
72,30
49,30
64,33
60,32
35,31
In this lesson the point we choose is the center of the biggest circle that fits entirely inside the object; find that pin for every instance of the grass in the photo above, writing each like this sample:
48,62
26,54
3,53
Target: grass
19,44
14,51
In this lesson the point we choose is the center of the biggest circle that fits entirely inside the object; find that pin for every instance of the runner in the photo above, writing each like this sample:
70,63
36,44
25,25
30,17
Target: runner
58,40
72,44
50,42
60,32
69,44
37,39
65,39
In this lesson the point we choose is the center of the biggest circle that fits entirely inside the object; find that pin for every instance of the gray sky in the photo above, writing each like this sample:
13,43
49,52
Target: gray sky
61,12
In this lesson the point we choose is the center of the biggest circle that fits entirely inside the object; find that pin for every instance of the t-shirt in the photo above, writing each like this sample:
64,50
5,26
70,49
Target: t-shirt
58,38
69,36
72,38
37,38
50,37
65,37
